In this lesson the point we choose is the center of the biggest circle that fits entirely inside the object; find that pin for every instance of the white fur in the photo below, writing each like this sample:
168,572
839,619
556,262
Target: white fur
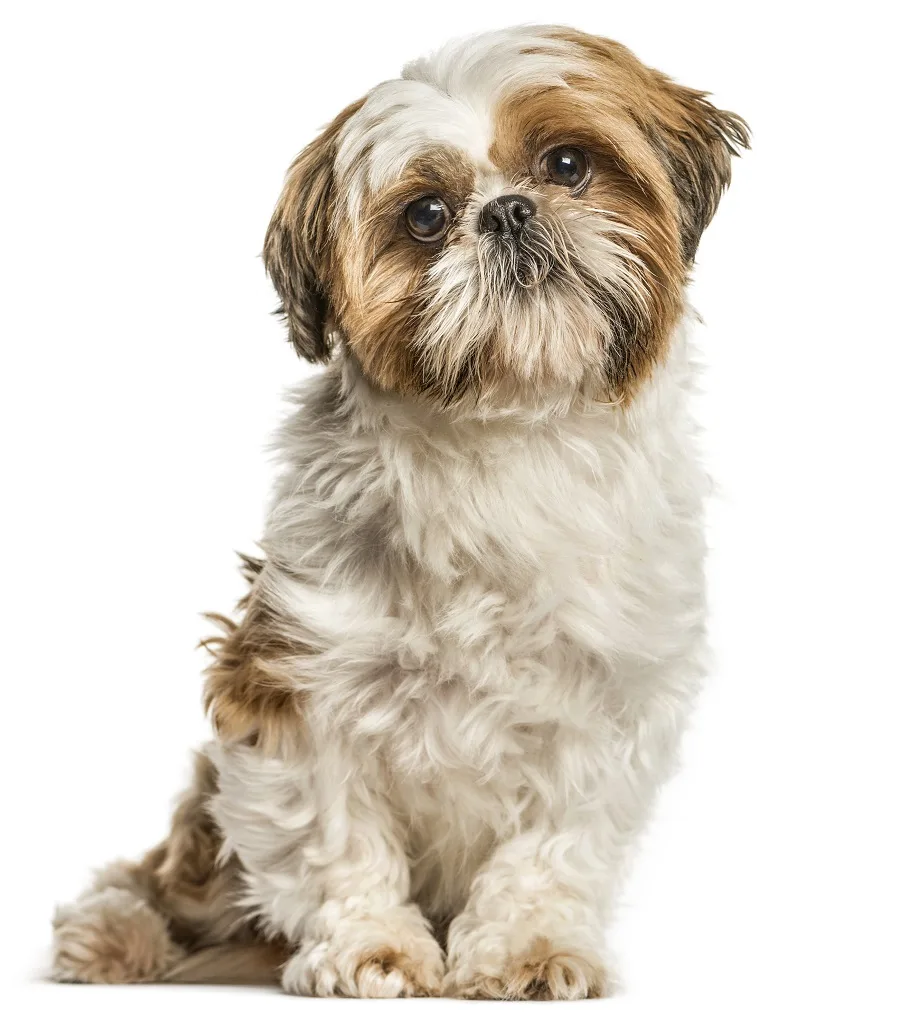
506,618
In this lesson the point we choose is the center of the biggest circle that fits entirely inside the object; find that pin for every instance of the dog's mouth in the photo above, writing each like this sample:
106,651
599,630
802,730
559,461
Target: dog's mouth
520,261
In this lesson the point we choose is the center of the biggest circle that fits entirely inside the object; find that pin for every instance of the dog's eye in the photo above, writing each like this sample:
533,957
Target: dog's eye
428,218
566,166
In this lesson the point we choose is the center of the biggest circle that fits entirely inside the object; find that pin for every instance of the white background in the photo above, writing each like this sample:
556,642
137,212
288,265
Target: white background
144,149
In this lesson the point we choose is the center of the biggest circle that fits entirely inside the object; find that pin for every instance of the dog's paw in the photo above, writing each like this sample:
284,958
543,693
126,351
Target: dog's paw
543,971
368,958
112,936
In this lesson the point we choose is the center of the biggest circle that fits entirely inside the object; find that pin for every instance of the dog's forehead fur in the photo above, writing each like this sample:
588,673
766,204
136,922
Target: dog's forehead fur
451,99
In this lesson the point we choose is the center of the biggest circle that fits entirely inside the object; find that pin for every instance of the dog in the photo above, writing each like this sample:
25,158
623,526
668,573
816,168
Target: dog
462,667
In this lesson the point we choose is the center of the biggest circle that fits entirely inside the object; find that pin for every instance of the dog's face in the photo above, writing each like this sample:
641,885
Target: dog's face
516,215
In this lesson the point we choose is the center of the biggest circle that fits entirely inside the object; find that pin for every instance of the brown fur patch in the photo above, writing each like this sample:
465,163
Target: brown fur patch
297,252
695,140
189,884
170,917
250,692
383,269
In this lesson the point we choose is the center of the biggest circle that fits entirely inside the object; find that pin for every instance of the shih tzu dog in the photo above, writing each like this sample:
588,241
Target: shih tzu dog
460,672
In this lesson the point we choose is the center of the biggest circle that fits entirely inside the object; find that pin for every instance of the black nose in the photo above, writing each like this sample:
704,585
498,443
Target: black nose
506,215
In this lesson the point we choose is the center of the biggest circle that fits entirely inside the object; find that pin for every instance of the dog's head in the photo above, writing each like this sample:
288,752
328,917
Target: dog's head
517,214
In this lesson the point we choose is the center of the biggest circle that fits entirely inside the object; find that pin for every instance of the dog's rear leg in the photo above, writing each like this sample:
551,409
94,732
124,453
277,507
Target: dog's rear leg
170,917
113,932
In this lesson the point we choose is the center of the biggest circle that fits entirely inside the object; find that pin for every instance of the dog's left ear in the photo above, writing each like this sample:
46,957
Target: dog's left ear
696,142
298,249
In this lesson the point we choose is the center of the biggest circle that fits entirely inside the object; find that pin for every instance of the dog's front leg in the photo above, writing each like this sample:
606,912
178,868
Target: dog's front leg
365,939
325,868
532,928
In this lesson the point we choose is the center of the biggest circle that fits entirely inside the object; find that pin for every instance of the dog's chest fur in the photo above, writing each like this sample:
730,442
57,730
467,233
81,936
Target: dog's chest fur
486,604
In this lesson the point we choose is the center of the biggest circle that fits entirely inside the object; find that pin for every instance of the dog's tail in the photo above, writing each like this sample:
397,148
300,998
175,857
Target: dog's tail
249,964
171,917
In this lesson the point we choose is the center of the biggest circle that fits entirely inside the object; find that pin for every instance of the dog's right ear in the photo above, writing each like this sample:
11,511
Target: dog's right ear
297,250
